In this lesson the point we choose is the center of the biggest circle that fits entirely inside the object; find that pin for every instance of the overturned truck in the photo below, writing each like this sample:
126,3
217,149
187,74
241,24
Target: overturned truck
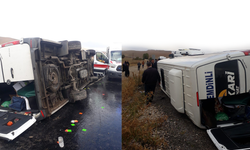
37,78
213,91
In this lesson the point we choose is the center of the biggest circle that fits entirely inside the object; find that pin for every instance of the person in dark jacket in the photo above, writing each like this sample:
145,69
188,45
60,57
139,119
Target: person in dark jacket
155,64
126,68
123,66
150,77
139,65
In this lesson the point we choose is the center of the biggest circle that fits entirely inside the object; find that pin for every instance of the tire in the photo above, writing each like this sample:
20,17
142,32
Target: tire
74,45
52,77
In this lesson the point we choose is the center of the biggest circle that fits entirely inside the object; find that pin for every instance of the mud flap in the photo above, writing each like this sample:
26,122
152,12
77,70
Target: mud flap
12,125
231,137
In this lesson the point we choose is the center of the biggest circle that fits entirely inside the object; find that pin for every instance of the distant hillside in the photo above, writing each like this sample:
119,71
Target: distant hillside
134,54
5,39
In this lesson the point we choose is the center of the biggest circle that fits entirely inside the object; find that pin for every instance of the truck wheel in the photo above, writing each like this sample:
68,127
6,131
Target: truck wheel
52,77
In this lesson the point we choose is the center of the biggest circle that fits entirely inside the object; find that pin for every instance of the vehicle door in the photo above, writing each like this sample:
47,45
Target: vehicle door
100,62
12,125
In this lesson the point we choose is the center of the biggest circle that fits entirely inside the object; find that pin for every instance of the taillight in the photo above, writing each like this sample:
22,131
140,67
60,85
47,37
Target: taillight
111,62
11,43
42,113
246,52
198,101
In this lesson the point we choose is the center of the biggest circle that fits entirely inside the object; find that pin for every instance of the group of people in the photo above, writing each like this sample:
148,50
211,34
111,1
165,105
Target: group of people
125,67
153,61
150,76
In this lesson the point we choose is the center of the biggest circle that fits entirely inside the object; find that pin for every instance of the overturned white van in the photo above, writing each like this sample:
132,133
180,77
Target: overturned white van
195,84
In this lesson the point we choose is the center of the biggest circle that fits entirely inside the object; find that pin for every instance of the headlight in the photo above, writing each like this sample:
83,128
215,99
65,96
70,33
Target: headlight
112,66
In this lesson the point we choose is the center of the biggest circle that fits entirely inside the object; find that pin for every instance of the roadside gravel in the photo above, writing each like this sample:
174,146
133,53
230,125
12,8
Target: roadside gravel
178,131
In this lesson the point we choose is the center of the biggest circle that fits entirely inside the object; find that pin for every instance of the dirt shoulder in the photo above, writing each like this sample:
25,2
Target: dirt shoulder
179,131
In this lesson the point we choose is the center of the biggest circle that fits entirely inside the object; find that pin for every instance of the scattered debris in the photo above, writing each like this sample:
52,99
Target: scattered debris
102,107
74,121
68,130
60,141
9,123
30,137
84,129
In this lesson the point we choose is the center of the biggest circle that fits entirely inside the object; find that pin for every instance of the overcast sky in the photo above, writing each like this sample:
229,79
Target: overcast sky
169,25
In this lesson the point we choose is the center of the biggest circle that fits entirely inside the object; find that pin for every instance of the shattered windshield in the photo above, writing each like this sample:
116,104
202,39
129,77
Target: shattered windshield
116,56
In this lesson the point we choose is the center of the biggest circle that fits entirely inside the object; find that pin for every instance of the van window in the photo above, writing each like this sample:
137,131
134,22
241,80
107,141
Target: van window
163,80
100,57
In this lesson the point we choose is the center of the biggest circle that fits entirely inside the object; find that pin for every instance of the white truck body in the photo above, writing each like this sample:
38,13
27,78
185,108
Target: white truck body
192,81
189,51
114,53
44,74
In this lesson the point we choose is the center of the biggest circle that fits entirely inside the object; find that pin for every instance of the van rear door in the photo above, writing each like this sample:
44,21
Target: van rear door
231,137
12,125
16,63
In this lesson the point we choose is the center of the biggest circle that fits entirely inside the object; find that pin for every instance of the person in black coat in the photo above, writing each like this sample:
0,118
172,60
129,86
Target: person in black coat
139,65
150,77
155,64
126,68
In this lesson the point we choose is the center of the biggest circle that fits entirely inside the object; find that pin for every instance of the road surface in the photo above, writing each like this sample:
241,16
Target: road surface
98,127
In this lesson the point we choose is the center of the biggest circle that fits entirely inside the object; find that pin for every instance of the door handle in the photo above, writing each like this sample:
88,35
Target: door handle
12,72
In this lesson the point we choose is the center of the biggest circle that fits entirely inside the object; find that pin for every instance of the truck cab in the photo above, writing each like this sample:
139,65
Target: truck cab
37,78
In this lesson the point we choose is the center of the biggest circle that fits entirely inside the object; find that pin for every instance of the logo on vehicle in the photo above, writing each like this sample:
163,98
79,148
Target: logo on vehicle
232,88
209,84
227,78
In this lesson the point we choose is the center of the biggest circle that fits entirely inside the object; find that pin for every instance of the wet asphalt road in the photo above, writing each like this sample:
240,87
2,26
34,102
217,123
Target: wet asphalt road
101,117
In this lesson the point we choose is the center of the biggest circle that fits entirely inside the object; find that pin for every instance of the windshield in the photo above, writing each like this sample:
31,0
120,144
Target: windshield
116,56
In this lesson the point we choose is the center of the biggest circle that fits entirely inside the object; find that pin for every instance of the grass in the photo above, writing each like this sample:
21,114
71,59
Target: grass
137,133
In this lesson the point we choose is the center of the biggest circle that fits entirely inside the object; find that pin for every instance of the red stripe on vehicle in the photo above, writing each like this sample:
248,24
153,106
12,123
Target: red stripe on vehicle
30,43
12,42
100,66
42,113
197,95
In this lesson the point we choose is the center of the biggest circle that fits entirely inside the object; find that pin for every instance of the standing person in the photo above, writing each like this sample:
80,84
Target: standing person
150,77
142,64
124,68
127,69
139,65
153,63
128,63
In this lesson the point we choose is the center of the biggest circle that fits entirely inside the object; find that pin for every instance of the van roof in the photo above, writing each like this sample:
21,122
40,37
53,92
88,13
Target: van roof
194,61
